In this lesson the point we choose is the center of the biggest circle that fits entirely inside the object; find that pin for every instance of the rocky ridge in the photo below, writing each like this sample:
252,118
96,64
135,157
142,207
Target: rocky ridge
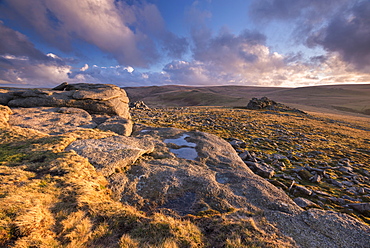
191,175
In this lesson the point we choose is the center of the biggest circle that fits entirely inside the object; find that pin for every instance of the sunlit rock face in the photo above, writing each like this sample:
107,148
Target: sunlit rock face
70,106
94,98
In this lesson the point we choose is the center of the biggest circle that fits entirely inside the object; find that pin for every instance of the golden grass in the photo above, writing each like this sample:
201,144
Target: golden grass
52,198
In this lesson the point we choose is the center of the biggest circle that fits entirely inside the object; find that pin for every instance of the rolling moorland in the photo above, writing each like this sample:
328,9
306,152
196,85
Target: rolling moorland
352,99
52,197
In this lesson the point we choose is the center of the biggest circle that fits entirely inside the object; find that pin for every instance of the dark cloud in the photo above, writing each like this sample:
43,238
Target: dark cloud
308,11
349,35
175,46
341,26
13,43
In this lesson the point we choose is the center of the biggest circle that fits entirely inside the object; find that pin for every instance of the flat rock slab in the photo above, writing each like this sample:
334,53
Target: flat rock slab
52,120
211,176
112,154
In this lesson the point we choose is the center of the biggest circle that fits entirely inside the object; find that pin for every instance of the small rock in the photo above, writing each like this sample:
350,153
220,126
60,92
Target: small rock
322,193
345,169
263,170
305,174
347,183
238,143
336,183
350,198
278,184
299,189
245,156
337,200
316,179
305,203
363,208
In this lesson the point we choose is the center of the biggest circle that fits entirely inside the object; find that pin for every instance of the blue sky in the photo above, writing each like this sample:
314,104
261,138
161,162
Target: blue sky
186,42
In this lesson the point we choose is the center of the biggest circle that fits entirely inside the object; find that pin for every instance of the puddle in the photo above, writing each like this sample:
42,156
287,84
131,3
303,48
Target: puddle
180,141
187,151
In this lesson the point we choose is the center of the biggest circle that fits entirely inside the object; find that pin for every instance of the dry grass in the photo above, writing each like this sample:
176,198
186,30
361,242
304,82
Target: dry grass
51,198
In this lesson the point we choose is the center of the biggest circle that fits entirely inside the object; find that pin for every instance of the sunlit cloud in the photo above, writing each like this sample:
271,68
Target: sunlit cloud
133,36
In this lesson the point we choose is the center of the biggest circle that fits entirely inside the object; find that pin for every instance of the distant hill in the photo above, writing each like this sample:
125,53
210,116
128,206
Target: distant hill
354,99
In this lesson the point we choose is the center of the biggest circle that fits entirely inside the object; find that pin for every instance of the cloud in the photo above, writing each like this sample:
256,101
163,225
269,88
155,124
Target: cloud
13,43
22,64
348,34
127,32
340,26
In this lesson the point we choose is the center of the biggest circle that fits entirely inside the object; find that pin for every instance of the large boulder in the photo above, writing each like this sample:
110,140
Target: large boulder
191,171
94,98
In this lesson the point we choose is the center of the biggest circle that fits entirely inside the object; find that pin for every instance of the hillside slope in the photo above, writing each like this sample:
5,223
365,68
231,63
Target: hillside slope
347,99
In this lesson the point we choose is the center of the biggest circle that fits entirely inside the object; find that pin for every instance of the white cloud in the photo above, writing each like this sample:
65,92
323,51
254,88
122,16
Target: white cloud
85,67
129,69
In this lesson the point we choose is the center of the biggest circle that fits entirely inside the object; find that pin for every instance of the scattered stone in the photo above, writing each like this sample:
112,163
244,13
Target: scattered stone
246,156
301,190
350,198
118,125
305,203
316,178
345,169
363,208
348,183
339,201
322,193
261,169
278,184
236,143
139,105
305,174
336,183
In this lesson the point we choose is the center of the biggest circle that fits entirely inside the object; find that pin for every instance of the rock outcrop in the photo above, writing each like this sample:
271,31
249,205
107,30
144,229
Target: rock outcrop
268,104
70,106
94,98
139,105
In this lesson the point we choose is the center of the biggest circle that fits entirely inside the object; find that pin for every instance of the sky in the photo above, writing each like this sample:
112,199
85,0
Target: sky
284,43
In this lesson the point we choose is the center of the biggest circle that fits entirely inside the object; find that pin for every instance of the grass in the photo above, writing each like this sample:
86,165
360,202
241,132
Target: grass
61,201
